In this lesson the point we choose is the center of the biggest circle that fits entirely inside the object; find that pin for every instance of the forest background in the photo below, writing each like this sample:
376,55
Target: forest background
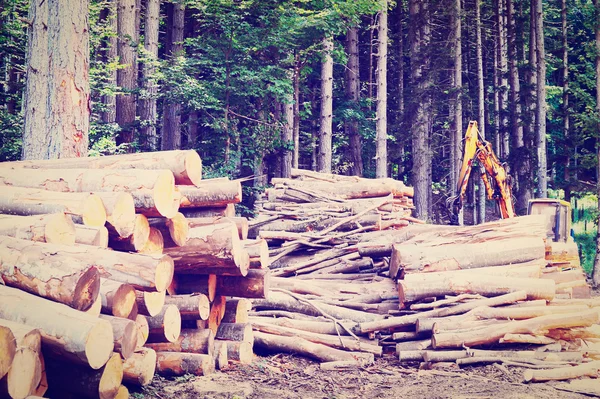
374,88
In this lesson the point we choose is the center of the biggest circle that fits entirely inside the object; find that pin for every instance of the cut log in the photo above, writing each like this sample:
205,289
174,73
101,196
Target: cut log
407,320
347,343
258,251
217,311
165,326
35,267
136,241
120,212
96,307
237,310
211,194
525,312
150,303
155,243
591,369
8,348
188,284
125,335
475,284
300,346
526,339
191,307
235,332
86,207
185,165
319,327
117,298
189,341
225,211
57,228
255,284
25,373
139,368
533,271
145,204
91,235
65,332
143,330
179,363
175,231
239,351
493,333
241,223
220,355
208,247
103,383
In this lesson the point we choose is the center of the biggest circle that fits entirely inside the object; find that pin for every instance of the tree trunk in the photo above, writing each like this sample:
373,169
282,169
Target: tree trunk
35,95
325,130
287,136
55,228
296,133
147,103
596,269
171,134
542,170
352,76
565,104
381,125
502,80
127,75
457,132
480,106
109,100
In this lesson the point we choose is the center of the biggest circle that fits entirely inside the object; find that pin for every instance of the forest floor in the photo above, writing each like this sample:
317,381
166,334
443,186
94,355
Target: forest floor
286,376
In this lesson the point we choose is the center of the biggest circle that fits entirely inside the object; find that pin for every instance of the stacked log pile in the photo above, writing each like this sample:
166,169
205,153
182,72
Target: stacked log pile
500,292
119,267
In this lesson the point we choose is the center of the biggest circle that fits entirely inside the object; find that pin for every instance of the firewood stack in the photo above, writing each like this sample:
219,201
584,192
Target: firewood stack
343,296
118,267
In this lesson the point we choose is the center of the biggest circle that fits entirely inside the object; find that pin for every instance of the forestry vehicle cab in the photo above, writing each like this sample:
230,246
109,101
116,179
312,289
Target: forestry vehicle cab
498,187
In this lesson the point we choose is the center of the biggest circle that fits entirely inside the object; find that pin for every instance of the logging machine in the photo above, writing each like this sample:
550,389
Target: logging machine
498,187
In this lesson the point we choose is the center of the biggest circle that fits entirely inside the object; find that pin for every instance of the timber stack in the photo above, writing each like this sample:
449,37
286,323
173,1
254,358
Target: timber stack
119,267
441,296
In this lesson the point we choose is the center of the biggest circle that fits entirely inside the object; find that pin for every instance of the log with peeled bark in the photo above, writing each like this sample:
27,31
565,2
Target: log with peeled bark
155,243
211,193
190,341
175,231
334,341
494,333
191,306
523,313
166,325
103,383
527,271
219,355
241,223
139,368
475,284
235,332
180,363
143,331
150,303
410,258
408,320
87,208
8,348
145,203
159,184
591,369
24,336
96,236
57,228
258,251
526,339
237,310
217,311
124,334
134,242
185,165
315,326
25,373
225,211
37,268
320,223
208,247
300,346
238,351
66,332
118,299
193,284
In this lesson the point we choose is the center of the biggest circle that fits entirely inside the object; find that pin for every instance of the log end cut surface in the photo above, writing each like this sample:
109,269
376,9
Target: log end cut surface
25,373
164,193
99,344
193,167
94,213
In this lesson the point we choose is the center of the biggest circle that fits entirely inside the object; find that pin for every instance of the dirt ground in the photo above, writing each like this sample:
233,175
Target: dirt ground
285,376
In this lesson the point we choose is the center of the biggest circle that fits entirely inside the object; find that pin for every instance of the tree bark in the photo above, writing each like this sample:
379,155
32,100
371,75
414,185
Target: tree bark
296,133
381,125
287,136
35,95
211,194
480,107
171,134
127,75
596,269
456,134
352,76
565,96
179,363
325,130
542,170
109,100
189,341
502,79
147,102
57,228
